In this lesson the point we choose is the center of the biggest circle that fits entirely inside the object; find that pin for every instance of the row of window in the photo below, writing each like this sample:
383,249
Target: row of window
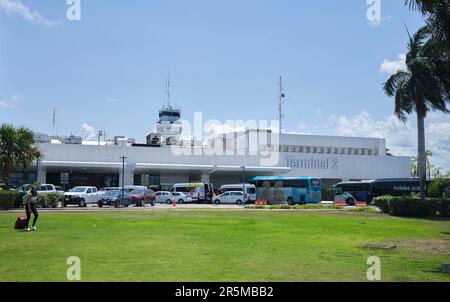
323,150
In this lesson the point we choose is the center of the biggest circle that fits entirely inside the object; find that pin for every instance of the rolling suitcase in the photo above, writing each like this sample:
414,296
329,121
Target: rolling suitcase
20,223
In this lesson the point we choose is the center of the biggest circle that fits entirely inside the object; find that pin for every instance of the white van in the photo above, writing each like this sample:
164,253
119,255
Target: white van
197,191
250,190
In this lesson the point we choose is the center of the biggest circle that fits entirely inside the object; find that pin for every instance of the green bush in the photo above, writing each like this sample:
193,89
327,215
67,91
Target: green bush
437,186
7,199
408,206
18,203
382,203
328,194
49,200
447,194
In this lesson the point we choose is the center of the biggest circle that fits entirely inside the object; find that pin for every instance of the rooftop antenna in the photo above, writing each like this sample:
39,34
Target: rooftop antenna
168,91
54,120
280,104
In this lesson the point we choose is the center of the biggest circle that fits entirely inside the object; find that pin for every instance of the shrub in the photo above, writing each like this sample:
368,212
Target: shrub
49,200
408,206
447,194
382,202
437,186
328,194
18,202
7,199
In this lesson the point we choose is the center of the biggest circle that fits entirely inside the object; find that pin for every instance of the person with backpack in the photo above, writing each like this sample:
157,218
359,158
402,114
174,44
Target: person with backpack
31,207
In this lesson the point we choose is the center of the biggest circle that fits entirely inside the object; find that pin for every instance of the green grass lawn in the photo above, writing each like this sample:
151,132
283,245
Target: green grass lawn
210,245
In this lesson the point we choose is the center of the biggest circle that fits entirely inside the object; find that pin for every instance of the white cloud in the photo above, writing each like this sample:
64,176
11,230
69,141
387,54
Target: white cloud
12,101
18,8
4,104
391,67
88,132
112,100
401,138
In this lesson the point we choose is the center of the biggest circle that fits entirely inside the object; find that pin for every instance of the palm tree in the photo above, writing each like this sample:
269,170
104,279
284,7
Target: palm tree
437,172
437,13
414,167
429,166
419,90
17,150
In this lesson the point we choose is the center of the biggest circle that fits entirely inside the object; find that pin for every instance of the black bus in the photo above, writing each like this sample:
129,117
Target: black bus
367,190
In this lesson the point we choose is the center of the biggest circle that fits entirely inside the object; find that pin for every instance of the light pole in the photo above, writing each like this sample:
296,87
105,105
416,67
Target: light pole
243,182
123,178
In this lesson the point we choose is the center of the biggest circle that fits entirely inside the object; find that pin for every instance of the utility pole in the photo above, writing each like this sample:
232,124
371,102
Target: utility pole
243,182
123,179
100,134
282,95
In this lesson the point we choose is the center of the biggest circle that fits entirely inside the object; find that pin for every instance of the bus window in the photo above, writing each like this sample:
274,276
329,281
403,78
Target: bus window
316,182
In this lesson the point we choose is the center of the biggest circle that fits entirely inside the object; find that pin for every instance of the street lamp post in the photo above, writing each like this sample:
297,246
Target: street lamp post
123,179
243,182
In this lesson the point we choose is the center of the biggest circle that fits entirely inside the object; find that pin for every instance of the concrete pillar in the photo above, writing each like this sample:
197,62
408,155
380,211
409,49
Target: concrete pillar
41,174
205,178
129,175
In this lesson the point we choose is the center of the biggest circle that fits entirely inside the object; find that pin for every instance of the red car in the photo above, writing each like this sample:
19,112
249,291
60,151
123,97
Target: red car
140,197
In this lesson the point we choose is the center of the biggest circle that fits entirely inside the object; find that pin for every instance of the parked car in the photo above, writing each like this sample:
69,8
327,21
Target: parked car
141,196
181,197
59,189
113,198
233,197
81,196
46,188
164,197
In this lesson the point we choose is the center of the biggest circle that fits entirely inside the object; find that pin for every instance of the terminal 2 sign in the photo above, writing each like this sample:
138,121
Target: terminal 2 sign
313,163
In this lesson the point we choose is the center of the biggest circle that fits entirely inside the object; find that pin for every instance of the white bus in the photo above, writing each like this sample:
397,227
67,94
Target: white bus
249,189
199,192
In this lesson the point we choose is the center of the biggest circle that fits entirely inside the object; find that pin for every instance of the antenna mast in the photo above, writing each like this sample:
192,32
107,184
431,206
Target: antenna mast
168,91
54,120
280,104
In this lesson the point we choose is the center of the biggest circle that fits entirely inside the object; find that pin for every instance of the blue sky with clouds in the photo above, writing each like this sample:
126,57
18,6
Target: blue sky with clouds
109,69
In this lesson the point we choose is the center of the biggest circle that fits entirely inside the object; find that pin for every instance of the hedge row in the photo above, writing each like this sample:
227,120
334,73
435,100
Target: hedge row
8,199
13,199
407,206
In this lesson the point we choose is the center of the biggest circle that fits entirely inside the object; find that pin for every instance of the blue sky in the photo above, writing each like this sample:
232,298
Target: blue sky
108,70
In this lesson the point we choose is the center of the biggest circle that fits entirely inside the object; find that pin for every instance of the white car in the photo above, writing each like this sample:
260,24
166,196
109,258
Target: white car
81,196
164,197
232,197
46,188
181,197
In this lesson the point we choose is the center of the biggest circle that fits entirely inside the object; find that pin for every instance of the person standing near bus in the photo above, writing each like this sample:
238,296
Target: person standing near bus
31,207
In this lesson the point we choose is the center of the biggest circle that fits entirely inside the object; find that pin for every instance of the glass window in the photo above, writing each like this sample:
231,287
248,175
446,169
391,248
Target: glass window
89,191
315,182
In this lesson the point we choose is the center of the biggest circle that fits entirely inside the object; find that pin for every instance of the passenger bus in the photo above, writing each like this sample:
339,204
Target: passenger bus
367,190
199,192
250,190
294,190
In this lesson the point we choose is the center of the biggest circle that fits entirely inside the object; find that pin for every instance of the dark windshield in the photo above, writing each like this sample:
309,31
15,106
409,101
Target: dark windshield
137,192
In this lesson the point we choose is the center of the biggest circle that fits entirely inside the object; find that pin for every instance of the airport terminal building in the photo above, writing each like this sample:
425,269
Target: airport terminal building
166,159
331,158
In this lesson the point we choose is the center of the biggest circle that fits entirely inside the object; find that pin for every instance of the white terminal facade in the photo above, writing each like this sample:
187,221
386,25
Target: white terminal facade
166,159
